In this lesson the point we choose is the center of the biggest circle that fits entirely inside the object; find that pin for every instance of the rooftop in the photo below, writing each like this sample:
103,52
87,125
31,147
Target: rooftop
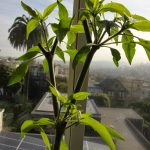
121,119
117,118
13,141
45,107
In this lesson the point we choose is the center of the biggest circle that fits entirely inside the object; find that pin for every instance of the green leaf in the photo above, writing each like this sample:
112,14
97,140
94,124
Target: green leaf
63,13
107,25
137,17
45,139
54,91
62,28
116,56
100,129
71,38
89,4
59,52
77,28
85,14
114,133
55,28
32,24
86,115
45,66
50,41
143,25
116,7
34,48
96,4
65,25
146,46
26,127
39,15
32,52
128,45
63,145
81,96
73,112
45,121
48,10
72,53
62,98
28,55
28,9
114,31
81,56
19,73
92,5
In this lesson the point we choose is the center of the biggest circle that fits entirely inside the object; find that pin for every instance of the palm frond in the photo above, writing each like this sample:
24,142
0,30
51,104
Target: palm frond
17,34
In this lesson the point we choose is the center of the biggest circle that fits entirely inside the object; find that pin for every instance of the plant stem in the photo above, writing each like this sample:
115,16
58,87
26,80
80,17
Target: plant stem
87,31
118,43
100,39
111,37
80,81
53,82
95,30
106,46
88,59
54,47
58,138
85,69
57,119
49,59
130,35
45,35
60,129
81,78
49,55
86,64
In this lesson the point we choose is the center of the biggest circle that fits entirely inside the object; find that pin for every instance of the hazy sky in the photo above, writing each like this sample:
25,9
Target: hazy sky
10,9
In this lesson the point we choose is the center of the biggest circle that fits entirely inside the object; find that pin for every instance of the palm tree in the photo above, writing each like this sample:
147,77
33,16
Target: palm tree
17,34
17,38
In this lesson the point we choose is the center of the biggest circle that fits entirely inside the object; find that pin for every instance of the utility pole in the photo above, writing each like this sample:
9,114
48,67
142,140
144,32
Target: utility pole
75,135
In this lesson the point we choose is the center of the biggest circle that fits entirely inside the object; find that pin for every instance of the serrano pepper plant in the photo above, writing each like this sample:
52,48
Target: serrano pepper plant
100,33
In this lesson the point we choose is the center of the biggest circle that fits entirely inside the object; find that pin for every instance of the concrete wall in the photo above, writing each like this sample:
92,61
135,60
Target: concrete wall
1,119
